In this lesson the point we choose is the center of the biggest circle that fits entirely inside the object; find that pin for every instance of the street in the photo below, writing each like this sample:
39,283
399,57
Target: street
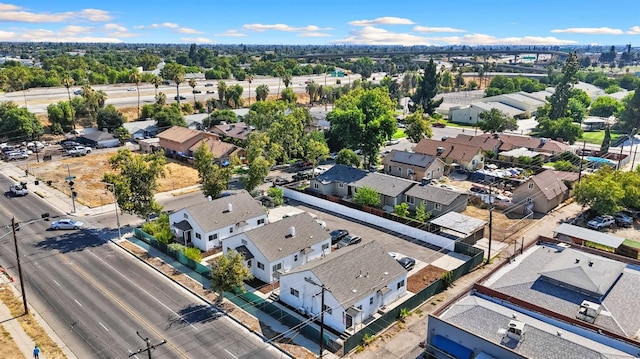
96,297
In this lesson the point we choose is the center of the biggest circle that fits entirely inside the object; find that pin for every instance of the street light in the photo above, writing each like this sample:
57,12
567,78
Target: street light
115,203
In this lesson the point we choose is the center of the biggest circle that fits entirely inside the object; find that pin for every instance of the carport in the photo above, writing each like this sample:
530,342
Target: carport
465,228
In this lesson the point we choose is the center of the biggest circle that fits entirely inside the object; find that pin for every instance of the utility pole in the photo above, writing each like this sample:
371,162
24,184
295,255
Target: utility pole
149,346
490,223
632,135
324,288
15,242
584,146
73,196
115,202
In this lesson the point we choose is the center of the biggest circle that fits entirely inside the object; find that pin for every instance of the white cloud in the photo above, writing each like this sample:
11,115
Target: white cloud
314,34
387,20
115,30
483,39
198,40
164,25
282,27
231,33
436,29
66,34
188,30
634,30
590,31
14,13
114,27
370,35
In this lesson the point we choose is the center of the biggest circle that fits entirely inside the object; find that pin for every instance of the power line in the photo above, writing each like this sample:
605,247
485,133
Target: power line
149,348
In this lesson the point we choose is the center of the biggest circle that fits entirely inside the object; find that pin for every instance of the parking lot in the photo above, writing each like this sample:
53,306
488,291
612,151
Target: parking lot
391,241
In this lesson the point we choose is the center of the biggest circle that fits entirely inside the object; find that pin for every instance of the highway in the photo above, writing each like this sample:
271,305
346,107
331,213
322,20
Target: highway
96,297
37,99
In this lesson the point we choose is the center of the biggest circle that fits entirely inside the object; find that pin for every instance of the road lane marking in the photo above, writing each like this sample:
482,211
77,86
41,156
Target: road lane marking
181,317
233,356
56,282
102,325
124,306
75,300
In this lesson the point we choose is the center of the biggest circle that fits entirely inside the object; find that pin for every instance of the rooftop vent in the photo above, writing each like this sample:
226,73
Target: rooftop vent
229,207
590,263
515,330
577,260
292,231
588,311
439,150
559,333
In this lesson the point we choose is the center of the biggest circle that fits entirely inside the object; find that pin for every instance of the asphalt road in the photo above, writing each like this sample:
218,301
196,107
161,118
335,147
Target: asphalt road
96,297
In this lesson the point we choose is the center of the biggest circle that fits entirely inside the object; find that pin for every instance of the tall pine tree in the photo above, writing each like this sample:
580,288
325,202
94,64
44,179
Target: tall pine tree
560,98
606,141
630,116
427,90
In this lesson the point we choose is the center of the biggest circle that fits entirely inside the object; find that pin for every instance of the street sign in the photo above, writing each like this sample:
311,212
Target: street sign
70,178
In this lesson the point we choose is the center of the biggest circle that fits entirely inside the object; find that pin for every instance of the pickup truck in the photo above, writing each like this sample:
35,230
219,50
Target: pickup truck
601,222
18,190
78,151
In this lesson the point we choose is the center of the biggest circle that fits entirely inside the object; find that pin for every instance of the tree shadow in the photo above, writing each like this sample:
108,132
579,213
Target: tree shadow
195,313
72,241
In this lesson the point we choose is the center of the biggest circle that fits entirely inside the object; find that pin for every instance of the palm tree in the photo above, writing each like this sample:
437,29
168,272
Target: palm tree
161,98
193,84
262,91
279,71
136,77
211,105
156,81
101,98
249,80
222,92
312,89
68,82
286,79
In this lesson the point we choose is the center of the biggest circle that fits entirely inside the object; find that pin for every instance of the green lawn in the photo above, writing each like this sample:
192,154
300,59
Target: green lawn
595,137
459,125
398,134
630,243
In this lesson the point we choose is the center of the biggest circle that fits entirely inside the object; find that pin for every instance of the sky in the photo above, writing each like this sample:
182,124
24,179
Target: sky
327,22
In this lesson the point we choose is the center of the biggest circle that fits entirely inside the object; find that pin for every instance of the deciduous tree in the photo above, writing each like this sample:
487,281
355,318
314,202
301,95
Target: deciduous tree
348,157
174,72
602,191
109,118
228,273
214,179
61,116
495,120
418,127
367,196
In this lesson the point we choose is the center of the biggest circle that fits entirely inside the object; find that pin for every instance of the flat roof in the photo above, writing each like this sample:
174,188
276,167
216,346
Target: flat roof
459,223
590,235
519,152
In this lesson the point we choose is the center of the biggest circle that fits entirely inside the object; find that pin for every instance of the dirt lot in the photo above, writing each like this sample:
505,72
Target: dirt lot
423,278
89,171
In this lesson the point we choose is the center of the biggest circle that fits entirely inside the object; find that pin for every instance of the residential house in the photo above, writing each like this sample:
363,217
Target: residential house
436,200
221,151
141,129
359,281
413,166
179,140
343,181
470,113
543,192
236,131
206,224
280,246
98,139
543,145
456,155
486,143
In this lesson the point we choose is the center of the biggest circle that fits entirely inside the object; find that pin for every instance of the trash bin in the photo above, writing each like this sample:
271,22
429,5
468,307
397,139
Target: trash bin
36,182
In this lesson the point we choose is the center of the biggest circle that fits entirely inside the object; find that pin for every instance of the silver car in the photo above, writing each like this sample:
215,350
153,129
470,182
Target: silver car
66,224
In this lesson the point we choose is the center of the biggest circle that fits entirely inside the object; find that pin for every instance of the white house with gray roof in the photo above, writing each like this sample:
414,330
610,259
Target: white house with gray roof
413,166
436,200
206,224
359,280
280,246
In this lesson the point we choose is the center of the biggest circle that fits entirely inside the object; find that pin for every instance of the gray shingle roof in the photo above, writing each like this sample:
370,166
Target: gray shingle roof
355,272
274,240
212,215
411,158
98,136
341,173
387,185
434,194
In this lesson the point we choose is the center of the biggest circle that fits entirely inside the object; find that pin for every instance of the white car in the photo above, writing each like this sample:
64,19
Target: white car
131,89
319,170
66,224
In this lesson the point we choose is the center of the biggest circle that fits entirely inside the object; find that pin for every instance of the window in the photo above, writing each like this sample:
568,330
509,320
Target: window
316,185
327,309
399,169
371,301
409,171
438,169
529,200
277,267
260,265
295,257
261,221
325,246
213,236
341,185
185,215
294,292
530,185
198,236
389,168
437,206
410,199
231,230
359,307
400,284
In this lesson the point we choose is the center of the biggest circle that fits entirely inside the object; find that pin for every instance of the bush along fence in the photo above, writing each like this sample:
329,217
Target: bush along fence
376,326
177,255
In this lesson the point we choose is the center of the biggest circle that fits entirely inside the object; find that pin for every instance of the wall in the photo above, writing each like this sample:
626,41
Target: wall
400,228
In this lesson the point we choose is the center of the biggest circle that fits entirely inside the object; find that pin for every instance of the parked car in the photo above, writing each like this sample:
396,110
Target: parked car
349,241
337,235
77,92
66,223
302,176
623,220
439,125
407,263
181,97
601,222
68,144
17,155
319,170
196,91
392,142
78,151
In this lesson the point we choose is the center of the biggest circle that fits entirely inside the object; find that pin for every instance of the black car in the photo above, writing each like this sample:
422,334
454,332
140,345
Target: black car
69,144
181,97
302,176
337,235
407,263
349,241
208,85
197,91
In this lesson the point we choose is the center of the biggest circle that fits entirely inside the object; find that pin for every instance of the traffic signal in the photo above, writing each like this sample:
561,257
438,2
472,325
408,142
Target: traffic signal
74,194
71,184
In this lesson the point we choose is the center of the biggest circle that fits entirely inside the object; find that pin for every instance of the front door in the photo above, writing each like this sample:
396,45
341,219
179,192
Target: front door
187,238
349,321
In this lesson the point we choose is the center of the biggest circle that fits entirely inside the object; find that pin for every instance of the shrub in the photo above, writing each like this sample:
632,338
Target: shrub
193,253
402,209
277,195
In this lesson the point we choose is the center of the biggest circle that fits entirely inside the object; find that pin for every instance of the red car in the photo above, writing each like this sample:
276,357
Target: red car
439,125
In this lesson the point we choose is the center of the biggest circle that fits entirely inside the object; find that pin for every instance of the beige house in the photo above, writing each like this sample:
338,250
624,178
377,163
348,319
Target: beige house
544,191
413,166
